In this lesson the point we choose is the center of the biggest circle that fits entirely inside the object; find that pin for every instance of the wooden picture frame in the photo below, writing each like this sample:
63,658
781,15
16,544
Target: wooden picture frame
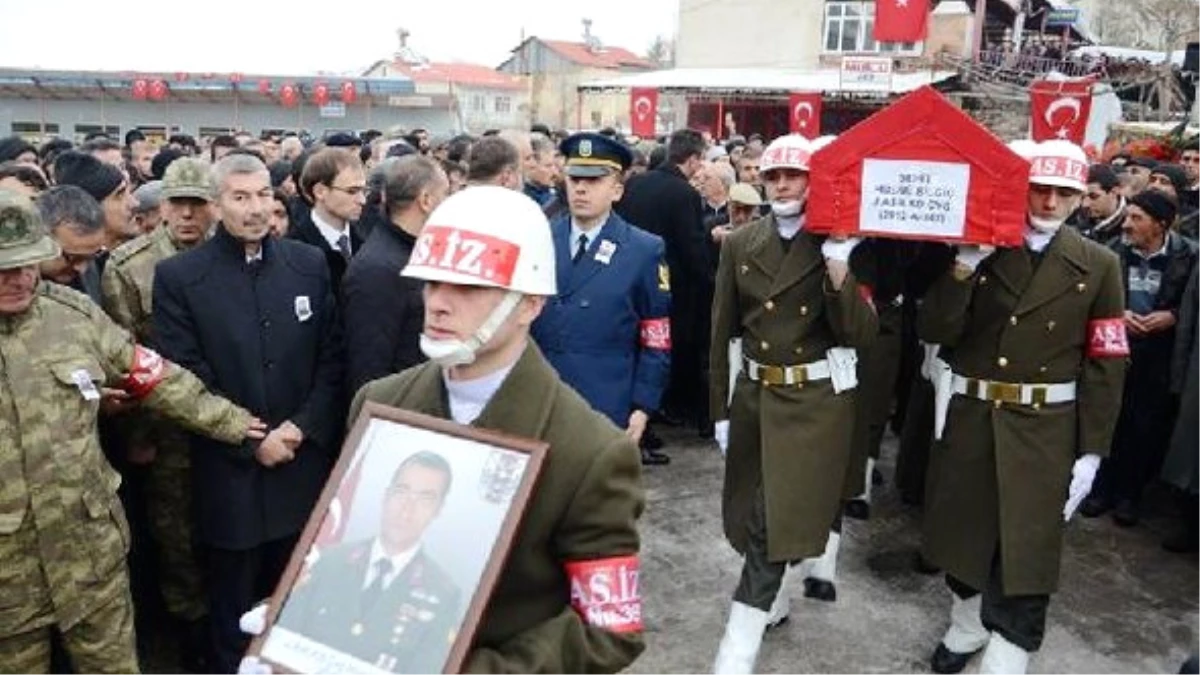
490,479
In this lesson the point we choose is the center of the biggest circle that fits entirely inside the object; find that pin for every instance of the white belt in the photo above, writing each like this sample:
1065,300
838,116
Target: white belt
1018,394
787,375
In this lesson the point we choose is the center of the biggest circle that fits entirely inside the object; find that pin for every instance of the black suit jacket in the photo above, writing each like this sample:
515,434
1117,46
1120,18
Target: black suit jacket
269,339
305,230
408,628
383,312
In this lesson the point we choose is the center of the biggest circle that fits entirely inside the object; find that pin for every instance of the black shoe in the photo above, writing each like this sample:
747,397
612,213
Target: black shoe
1094,507
654,458
876,477
651,441
858,509
1127,514
946,661
923,566
776,624
819,589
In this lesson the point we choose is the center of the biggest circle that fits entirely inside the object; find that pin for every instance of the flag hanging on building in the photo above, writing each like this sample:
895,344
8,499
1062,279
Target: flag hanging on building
643,112
1060,110
805,114
901,20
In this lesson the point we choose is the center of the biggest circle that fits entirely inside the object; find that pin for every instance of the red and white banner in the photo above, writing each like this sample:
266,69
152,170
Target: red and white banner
643,112
349,92
1060,110
140,89
158,90
605,593
321,93
264,87
805,114
901,20
1107,339
288,95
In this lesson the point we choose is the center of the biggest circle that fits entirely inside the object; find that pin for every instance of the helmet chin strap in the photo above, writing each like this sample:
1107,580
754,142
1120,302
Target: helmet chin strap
1046,225
451,353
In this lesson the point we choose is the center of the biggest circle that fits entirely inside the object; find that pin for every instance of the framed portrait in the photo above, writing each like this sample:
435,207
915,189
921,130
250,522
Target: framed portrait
398,561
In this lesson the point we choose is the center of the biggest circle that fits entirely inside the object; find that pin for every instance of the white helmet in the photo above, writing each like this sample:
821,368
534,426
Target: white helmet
1023,147
487,236
786,152
820,142
484,236
1059,163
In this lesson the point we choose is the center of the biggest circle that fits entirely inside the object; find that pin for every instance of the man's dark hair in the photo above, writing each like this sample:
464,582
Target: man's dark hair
13,147
100,145
51,148
459,148
370,135
71,206
683,145
658,156
429,460
158,165
280,170
400,148
222,141
404,179
1104,176
184,140
298,171
133,136
342,139
490,157
24,173
323,168
540,129
96,134
451,167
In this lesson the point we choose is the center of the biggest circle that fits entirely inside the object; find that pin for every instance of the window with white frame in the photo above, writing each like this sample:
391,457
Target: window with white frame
503,104
478,103
848,29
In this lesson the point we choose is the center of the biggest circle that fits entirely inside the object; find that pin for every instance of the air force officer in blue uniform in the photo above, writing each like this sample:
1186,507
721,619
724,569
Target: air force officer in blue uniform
608,333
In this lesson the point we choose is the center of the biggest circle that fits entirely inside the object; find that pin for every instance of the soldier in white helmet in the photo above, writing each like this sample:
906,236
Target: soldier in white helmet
488,260
1035,341
799,311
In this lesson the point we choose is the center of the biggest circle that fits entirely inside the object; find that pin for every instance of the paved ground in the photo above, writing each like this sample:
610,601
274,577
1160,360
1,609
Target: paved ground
1125,605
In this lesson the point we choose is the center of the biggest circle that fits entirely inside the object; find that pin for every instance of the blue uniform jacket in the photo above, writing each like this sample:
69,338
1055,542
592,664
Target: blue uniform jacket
608,332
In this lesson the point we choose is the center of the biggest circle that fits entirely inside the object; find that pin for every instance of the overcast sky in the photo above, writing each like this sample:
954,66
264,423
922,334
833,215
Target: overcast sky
277,37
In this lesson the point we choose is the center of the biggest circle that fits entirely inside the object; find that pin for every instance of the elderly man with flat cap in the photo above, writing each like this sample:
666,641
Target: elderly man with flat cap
608,331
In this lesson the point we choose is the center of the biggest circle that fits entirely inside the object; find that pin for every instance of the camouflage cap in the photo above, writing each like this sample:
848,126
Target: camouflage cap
187,177
23,239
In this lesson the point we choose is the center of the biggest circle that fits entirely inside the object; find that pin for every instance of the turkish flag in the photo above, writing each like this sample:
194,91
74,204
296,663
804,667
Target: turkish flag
288,95
321,93
804,114
643,112
349,93
264,87
158,90
140,89
1060,110
901,20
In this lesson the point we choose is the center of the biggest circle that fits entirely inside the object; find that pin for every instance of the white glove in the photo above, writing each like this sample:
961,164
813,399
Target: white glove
721,433
254,622
252,665
839,250
1082,476
971,256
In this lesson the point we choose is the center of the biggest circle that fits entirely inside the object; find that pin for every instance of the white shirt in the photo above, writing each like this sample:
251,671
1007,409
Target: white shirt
331,233
399,562
468,398
256,257
577,232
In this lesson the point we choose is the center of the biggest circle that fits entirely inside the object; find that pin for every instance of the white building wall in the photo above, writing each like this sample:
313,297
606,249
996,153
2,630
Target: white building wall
749,33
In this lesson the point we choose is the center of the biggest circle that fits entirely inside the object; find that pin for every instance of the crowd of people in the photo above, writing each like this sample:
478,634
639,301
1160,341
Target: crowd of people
1041,55
675,286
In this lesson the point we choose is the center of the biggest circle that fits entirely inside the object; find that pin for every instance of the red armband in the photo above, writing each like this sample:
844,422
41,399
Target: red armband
605,593
656,333
146,371
1107,339
867,294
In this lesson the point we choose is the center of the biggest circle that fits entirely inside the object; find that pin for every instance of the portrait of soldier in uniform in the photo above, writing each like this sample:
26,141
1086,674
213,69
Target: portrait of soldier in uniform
384,600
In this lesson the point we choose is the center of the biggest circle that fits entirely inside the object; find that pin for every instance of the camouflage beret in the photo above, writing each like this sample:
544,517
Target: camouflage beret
187,177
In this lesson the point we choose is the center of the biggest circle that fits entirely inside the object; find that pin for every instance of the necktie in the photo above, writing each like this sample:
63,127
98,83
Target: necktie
581,249
383,567
343,244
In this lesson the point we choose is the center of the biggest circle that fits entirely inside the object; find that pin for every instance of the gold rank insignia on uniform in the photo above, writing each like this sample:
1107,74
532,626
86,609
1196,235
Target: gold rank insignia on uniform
585,148
664,277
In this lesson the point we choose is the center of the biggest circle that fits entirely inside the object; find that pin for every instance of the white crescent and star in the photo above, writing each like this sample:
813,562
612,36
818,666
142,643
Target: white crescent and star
642,106
802,120
1064,102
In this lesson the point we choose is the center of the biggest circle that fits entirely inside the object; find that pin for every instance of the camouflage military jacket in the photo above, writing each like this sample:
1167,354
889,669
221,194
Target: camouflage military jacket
63,534
129,278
